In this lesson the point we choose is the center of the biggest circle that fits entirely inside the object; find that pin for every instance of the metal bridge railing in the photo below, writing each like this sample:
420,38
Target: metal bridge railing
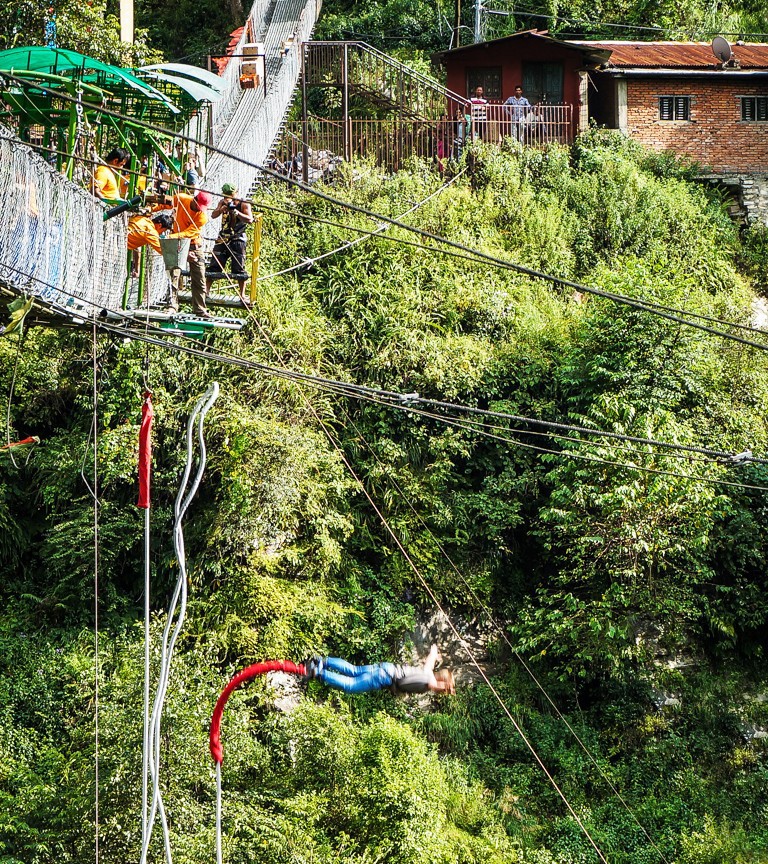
361,67
54,243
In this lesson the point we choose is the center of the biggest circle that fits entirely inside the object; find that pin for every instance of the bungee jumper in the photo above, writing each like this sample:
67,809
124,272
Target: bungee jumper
335,673
341,675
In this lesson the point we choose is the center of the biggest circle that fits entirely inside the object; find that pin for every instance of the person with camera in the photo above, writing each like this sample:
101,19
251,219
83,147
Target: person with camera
230,244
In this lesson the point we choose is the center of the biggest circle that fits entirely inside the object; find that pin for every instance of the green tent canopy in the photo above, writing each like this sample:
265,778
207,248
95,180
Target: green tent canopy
59,61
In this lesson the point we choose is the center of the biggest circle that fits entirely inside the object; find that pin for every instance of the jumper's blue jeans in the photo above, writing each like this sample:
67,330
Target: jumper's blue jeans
344,676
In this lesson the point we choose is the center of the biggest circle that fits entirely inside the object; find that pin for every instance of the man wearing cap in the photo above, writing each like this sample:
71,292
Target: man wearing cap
230,244
189,216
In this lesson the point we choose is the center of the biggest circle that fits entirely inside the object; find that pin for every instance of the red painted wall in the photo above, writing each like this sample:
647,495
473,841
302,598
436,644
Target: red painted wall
510,57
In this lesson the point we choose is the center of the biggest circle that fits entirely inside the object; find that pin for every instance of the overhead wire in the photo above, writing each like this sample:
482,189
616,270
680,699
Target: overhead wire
343,457
310,262
401,401
526,12
500,630
397,399
355,393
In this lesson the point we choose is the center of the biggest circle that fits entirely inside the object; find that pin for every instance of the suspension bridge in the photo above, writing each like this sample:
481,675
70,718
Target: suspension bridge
59,108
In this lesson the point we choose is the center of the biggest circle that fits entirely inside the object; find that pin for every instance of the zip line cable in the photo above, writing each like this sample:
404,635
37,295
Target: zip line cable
491,428
342,455
643,305
499,629
385,398
309,262
595,459
470,654
388,397
354,393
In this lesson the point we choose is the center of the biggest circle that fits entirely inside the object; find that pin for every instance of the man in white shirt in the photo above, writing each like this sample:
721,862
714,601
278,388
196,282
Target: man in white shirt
478,106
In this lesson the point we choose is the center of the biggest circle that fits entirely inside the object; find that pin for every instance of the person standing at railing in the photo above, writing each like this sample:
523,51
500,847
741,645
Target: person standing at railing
462,122
189,217
478,106
517,108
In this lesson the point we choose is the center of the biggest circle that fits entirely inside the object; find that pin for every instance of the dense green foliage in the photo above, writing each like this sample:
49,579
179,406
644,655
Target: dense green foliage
631,581
401,27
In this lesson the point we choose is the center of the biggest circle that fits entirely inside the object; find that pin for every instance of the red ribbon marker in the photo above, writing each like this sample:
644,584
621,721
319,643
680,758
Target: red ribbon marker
145,450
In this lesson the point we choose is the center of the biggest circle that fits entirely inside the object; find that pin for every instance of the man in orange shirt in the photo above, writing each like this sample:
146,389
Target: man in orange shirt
143,231
188,219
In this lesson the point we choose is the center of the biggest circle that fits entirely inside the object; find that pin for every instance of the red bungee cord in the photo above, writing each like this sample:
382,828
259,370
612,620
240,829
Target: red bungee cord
214,739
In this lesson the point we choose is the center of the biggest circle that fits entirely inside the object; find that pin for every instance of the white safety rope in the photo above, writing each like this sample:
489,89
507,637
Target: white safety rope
145,745
177,611
218,814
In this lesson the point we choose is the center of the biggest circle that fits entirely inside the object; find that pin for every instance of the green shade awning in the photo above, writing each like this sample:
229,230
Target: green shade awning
58,61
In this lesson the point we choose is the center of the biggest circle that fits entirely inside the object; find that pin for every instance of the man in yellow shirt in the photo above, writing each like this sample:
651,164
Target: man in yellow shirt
143,231
189,216
107,183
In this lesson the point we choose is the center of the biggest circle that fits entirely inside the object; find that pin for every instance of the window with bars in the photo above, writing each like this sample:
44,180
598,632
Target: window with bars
487,77
674,107
754,109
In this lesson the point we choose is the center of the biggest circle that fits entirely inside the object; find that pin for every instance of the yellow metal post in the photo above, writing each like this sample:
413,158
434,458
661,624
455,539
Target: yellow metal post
126,21
257,220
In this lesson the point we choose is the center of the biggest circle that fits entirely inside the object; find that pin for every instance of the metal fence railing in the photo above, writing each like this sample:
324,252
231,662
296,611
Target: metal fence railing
391,141
363,68
535,126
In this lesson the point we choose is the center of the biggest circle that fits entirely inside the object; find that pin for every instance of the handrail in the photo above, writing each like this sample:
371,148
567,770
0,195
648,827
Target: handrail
394,64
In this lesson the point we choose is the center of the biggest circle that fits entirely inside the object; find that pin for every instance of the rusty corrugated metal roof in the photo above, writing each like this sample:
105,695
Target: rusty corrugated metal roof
676,55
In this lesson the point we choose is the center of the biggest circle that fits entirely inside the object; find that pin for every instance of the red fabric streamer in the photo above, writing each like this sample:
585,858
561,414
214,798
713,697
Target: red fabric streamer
33,439
145,450
214,738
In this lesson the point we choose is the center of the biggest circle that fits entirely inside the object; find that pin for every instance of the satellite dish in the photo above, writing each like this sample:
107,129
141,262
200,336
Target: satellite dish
721,48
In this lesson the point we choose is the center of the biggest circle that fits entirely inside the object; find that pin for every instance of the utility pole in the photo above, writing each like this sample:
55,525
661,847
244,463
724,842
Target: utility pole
478,21
126,21
456,41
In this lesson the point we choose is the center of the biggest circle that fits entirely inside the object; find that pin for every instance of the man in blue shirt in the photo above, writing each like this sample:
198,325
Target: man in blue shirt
517,110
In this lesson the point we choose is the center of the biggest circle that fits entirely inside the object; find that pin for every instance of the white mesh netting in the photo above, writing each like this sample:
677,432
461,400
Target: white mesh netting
256,118
53,242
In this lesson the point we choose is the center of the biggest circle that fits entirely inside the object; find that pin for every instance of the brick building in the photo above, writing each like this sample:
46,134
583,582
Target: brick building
668,95
678,96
